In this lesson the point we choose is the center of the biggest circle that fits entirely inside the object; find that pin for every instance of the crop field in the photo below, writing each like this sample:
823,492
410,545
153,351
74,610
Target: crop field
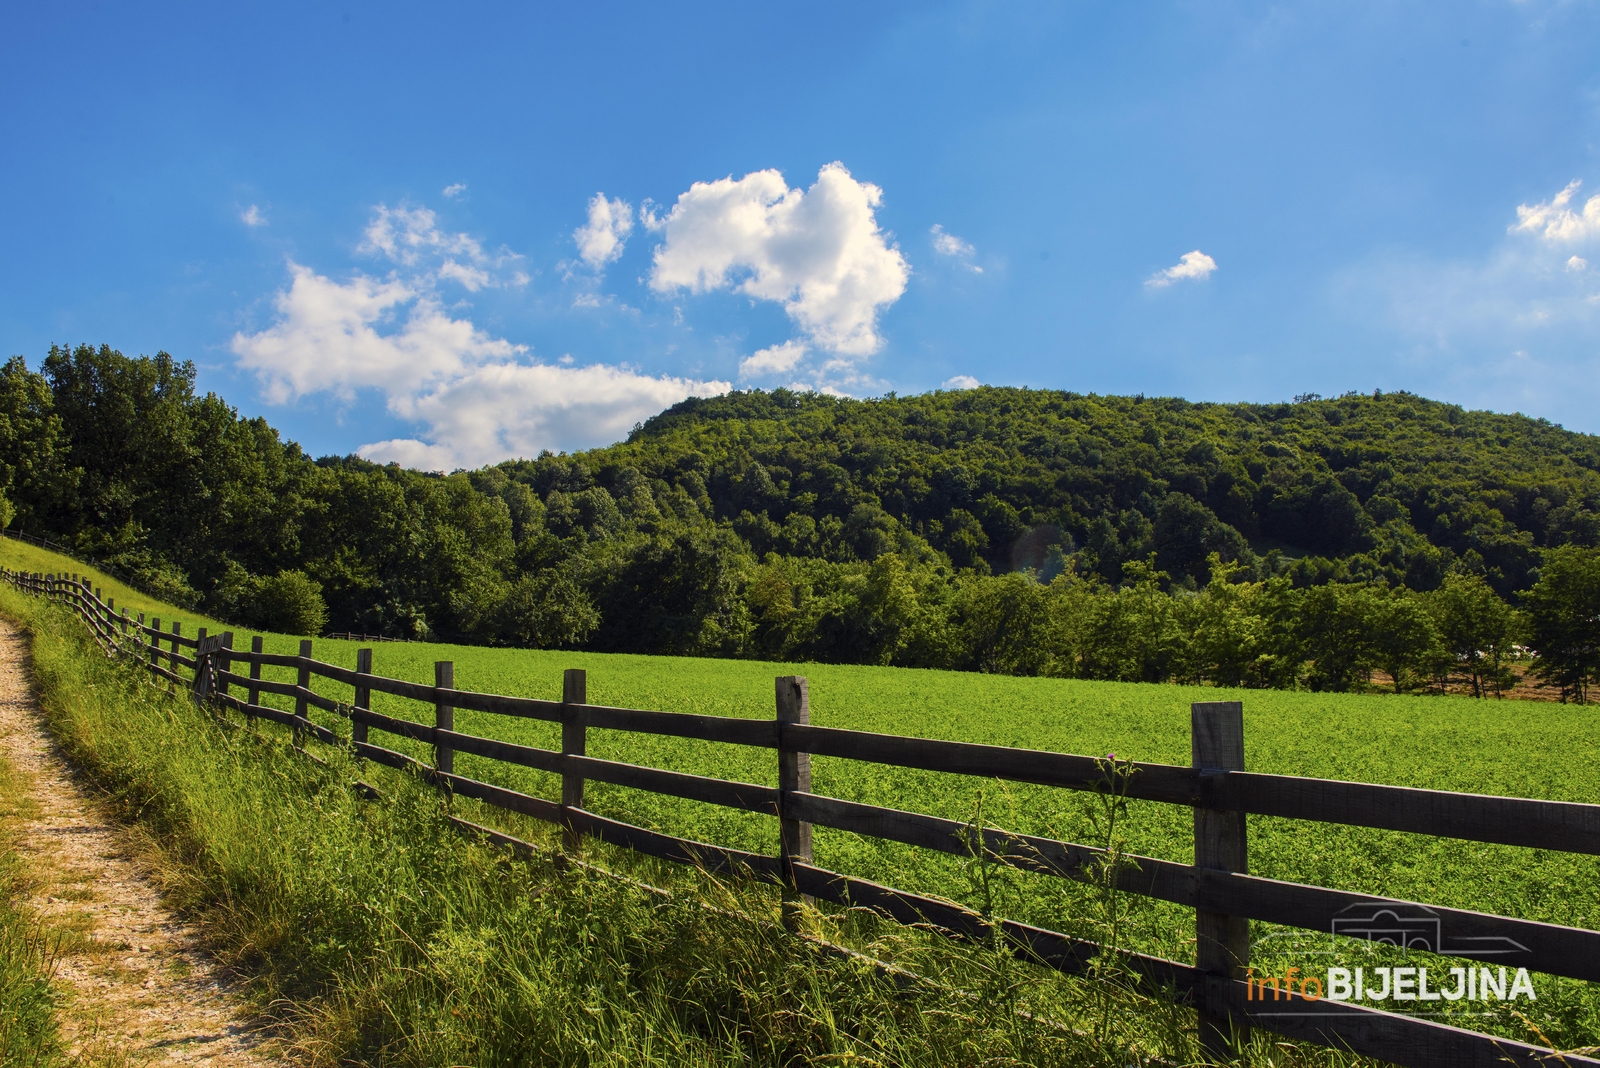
1527,749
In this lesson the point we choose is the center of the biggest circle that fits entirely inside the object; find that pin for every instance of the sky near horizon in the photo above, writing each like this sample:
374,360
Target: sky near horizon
450,235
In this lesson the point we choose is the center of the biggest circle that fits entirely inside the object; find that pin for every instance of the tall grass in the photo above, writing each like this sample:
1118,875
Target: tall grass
28,1034
377,935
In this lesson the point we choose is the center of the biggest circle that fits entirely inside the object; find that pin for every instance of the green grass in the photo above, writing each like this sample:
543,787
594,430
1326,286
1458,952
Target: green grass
28,1033
1530,749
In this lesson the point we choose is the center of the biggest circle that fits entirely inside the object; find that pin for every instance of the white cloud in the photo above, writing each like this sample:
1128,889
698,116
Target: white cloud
480,398
471,278
961,382
773,360
406,235
515,409
450,192
253,216
1559,222
1577,263
326,338
817,252
601,239
1194,264
948,244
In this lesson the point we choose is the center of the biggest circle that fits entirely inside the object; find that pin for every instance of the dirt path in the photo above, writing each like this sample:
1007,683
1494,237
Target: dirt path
140,991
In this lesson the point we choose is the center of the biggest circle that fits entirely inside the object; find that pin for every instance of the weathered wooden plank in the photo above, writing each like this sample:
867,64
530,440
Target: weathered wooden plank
444,715
729,793
1561,825
793,705
1155,782
379,755
763,733
1548,948
1222,939
708,857
420,732
285,689
1386,1036
526,756
500,797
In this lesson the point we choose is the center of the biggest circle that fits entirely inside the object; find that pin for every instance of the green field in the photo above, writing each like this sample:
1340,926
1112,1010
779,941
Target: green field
1529,749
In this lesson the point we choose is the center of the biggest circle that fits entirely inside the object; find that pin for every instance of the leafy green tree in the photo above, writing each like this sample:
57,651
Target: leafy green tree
1402,635
289,602
1564,620
1337,626
1476,629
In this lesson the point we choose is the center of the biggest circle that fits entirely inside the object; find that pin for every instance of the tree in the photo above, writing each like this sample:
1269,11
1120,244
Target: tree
1564,619
1336,625
1402,635
1475,627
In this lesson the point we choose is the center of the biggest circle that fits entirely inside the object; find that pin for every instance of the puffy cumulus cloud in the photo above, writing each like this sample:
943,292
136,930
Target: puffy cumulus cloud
1577,263
773,360
253,216
1555,221
480,398
818,252
515,409
601,239
450,192
1194,264
961,382
326,338
948,244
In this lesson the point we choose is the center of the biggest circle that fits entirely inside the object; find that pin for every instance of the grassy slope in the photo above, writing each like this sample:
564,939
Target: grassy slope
1523,748
394,942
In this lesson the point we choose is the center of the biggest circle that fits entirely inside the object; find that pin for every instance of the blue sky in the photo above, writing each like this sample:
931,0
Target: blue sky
451,234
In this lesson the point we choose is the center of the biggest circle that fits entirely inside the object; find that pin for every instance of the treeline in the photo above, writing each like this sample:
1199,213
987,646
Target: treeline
1005,530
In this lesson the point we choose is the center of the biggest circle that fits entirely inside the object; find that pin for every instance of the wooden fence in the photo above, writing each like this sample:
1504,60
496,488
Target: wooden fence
1215,786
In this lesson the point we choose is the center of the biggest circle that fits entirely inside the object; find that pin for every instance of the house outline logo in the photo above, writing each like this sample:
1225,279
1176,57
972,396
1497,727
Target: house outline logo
1408,926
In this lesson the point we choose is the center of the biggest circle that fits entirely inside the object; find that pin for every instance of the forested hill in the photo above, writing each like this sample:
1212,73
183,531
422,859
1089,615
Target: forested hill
1386,485
783,523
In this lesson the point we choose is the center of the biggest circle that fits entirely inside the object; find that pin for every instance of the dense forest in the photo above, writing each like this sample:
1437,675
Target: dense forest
1009,530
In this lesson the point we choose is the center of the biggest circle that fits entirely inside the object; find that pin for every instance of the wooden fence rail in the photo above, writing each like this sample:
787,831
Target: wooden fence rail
1215,786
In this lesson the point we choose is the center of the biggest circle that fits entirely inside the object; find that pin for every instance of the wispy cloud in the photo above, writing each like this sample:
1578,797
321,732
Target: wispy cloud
961,382
253,216
1555,221
1193,265
948,244
450,192
773,360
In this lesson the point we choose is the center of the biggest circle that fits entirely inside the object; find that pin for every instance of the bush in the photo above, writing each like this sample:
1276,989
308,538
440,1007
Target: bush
289,602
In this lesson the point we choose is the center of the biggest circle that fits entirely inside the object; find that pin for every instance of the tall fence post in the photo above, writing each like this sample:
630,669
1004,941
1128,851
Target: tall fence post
225,663
153,646
444,715
302,682
363,698
172,661
203,665
794,776
1222,942
574,742
253,695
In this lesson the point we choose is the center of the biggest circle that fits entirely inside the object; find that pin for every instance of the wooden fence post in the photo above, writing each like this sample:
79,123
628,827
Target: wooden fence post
253,697
172,661
574,742
1222,942
794,776
224,663
363,699
444,716
153,645
303,681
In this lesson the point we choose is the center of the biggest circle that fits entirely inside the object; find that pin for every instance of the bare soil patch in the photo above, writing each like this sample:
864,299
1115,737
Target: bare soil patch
139,988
